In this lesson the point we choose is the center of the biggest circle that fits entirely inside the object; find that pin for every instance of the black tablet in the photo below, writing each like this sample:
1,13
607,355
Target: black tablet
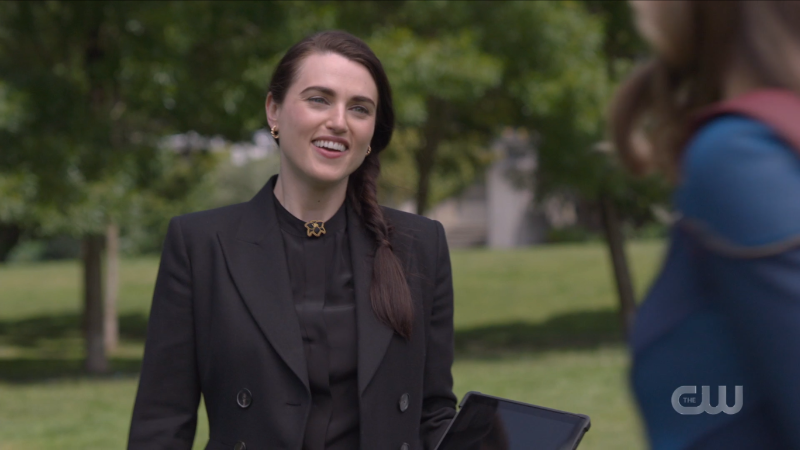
485,422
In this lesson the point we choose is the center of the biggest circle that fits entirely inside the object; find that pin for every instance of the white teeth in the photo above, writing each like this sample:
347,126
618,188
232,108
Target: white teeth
330,145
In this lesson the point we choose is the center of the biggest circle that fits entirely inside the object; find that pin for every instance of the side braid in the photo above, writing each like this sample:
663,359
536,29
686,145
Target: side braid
389,293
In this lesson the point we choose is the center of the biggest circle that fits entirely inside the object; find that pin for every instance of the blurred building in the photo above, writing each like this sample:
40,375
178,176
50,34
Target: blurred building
262,146
502,210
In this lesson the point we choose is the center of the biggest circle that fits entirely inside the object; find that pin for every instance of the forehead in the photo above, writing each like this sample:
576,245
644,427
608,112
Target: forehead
347,78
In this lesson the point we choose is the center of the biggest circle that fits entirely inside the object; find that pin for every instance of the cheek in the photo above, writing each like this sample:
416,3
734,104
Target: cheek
664,25
364,130
646,16
299,120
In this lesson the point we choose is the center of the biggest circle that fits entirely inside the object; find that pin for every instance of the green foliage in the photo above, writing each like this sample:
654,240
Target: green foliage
622,47
449,67
462,71
87,90
552,59
17,190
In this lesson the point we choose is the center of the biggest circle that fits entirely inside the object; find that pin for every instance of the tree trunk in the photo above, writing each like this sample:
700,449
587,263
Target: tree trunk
10,234
426,155
92,252
616,247
111,322
424,158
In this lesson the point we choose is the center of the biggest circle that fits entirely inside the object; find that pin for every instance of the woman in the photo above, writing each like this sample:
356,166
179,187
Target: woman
309,317
718,110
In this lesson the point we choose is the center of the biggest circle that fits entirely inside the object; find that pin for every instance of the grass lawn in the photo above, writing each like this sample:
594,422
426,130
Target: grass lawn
536,325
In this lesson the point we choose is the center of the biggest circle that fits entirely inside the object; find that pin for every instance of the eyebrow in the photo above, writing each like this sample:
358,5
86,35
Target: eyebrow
329,91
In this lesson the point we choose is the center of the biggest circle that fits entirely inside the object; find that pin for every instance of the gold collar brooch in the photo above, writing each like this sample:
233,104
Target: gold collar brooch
315,228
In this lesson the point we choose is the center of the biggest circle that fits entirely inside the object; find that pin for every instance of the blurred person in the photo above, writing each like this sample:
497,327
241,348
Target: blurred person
310,317
718,109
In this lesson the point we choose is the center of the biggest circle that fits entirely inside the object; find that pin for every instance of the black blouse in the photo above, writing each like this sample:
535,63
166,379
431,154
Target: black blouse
321,276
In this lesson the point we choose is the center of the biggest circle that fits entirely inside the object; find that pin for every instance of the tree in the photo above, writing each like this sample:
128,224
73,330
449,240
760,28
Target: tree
619,195
434,79
96,86
462,71
560,62
93,87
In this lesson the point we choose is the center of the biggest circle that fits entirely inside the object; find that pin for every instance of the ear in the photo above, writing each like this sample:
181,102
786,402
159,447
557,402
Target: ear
273,110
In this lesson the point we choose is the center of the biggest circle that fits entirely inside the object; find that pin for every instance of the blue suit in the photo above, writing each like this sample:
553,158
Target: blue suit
725,309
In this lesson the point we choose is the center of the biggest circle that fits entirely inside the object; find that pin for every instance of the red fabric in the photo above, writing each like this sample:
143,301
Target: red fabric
777,108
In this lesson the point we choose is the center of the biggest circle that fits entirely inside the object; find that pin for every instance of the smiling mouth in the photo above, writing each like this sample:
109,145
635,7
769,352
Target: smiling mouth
330,145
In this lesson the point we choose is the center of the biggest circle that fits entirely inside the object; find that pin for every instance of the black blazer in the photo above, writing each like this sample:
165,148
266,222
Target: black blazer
223,320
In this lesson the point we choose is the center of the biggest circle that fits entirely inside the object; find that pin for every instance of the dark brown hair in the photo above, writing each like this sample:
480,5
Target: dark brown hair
651,115
389,293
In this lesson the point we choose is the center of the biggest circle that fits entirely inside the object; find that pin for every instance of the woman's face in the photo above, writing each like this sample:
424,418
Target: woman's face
664,24
326,120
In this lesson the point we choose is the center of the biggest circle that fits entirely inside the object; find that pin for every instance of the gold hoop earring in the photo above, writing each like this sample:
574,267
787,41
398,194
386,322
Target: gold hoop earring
369,149
274,131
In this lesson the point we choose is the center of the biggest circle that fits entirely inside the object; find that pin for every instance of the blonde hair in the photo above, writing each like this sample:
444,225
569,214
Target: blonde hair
651,114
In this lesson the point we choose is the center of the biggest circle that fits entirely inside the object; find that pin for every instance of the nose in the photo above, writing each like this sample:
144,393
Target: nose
337,121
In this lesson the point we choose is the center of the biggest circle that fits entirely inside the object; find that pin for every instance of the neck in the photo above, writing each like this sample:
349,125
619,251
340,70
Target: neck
738,80
309,201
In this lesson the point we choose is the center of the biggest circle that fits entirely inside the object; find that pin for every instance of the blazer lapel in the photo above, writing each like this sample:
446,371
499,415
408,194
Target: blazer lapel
257,262
373,336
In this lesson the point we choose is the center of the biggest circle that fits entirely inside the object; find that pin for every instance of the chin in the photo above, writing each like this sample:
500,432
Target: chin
321,173
328,175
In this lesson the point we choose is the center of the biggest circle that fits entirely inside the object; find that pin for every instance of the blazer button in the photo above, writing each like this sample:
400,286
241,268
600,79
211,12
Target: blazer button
403,403
404,446
240,446
244,398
